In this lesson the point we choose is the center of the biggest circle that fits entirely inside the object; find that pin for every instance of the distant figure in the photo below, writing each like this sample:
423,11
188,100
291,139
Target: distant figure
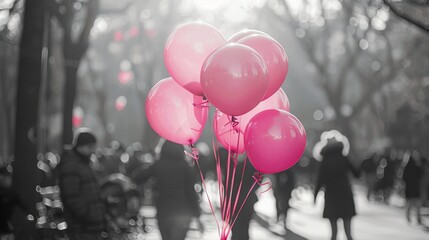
176,200
333,175
8,199
369,168
240,230
285,183
84,210
425,182
389,166
412,177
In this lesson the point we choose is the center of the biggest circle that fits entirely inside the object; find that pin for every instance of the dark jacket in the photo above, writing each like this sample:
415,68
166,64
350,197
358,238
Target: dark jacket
175,180
412,177
84,210
333,175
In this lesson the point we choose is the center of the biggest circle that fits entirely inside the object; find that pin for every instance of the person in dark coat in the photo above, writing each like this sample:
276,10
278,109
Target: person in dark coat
176,198
84,209
412,177
333,176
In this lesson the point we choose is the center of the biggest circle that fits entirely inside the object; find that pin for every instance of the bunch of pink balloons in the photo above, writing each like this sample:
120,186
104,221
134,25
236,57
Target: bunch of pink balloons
242,78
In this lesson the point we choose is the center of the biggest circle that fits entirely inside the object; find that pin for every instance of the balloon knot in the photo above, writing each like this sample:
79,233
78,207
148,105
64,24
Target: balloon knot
203,104
258,176
234,122
193,154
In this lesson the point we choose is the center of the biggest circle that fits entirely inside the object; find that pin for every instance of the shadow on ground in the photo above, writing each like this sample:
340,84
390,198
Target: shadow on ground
289,235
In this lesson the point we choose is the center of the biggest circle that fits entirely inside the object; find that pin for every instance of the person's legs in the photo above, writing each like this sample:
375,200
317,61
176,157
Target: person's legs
285,221
418,205
164,225
334,228
278,207
347,227
180,227
240,230
368,188
408,210
285,214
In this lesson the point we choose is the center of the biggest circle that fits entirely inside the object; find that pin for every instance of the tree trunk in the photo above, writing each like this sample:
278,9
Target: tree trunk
73,52
69,97
26,176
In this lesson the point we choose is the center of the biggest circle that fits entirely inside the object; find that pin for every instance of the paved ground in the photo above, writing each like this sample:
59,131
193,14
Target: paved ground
374,221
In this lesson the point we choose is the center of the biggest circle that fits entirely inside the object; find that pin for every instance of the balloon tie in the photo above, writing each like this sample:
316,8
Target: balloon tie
204,104
235,122
258,176
194,154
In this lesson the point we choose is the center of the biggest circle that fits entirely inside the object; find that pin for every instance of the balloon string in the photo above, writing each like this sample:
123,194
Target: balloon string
239,188
195,156
256,181
222,188
258,177
218,168
234,122
242,175
204,104
226,198
229,212
219,176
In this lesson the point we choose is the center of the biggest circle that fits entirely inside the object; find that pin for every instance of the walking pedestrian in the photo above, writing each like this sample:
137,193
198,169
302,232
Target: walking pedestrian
333,176
424,188
176,201
412,178
84,209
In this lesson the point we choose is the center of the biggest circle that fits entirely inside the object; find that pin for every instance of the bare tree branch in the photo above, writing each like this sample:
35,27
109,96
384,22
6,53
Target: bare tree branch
399,67
55,9
117,10
90,19
12,10
406,17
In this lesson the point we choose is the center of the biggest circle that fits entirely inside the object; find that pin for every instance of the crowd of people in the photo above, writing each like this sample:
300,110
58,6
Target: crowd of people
102,191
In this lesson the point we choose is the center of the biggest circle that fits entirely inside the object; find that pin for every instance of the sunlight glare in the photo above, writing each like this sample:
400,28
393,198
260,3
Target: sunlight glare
210,5
233,11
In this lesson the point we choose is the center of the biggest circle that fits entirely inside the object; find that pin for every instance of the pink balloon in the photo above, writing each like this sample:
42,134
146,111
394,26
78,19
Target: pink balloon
278,100
174,113
275,140
228,135
234,79
245,33
274,56
185,51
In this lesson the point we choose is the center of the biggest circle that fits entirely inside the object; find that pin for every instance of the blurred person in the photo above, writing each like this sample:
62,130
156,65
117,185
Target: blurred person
412,178
284,184
176,199
8,199
122,202
389,166
84,209
333,176
369,168
112,162
424,188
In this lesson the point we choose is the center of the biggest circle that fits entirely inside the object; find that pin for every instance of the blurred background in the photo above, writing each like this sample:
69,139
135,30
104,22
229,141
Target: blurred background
358,66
